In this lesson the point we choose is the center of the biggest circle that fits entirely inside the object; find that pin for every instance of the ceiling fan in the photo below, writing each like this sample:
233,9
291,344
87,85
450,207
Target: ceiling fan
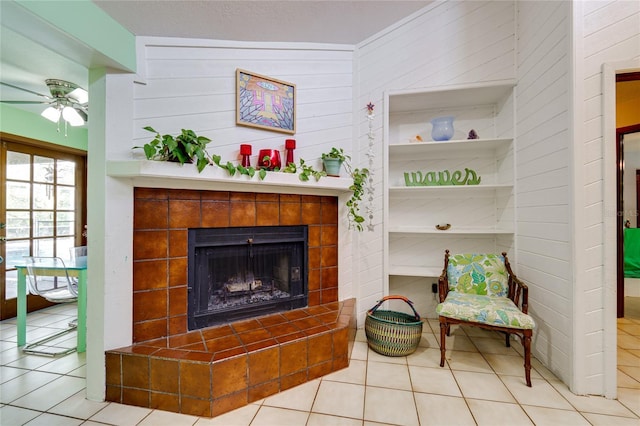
67,100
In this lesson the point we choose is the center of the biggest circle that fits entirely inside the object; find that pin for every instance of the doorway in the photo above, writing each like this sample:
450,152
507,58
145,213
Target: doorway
42,209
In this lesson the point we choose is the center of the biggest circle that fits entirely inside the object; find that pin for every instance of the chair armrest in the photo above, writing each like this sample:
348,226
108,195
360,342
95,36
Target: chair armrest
443,286
516,288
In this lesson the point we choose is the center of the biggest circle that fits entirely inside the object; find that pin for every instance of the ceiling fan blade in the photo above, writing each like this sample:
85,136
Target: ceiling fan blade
25,102
25,90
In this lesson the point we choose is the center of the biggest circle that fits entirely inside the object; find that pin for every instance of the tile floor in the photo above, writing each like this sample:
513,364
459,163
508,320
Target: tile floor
484,388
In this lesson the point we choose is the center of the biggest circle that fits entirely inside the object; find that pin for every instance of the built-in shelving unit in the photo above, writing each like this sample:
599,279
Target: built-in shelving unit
482,216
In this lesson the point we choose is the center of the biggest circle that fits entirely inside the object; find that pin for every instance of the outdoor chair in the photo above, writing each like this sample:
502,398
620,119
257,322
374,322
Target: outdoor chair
481,290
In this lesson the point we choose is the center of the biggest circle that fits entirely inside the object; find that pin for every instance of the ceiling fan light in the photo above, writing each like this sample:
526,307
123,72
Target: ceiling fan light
79,94
51,113
72,116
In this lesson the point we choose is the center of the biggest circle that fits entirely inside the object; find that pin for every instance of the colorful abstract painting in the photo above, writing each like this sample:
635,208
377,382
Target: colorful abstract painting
265,102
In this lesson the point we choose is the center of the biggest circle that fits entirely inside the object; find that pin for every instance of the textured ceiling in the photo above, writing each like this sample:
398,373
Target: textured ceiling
333,21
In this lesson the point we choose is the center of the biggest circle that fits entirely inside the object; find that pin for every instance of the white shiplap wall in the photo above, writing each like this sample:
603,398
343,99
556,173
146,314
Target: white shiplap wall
543,177
443,44
191,84
605,33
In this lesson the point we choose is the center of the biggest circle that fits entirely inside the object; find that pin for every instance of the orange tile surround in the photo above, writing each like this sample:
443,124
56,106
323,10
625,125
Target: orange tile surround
213,370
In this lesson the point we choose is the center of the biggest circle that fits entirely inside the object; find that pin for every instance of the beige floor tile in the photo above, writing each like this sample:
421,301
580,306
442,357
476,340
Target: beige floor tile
360,335
29,362
460,342
383,374
300,397
428,340
630,398
604,420
355,373
493,346
480,332
120,414
16,416
492,413
46,419
625,381
542,416
22,385
509,365
592,404
79,372
340,399
633,372
270,416
8,373
316,419
166,418
433,380
374,356
541,393
425,357
78,406
390,406
51,394
482,386
65,364
542,370
238,417
360,351
467,361
626,357
439,410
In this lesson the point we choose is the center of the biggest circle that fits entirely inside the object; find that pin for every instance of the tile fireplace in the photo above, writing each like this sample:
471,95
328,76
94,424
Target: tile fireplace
208,371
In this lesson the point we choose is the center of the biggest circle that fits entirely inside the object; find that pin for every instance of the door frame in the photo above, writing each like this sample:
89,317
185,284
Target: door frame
8,308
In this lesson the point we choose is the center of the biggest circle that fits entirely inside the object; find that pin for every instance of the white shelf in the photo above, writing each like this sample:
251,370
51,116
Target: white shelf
448,147
415,271
147,173
452,230
439,189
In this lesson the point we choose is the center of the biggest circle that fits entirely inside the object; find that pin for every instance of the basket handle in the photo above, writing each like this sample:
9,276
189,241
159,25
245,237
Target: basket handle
394,297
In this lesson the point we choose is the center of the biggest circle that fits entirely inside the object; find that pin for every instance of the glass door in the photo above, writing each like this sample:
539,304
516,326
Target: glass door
41,211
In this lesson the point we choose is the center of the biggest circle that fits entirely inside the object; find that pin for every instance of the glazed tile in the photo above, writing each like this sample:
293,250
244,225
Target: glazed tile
467,361
78,406
592,404
46,419
355,373
605,420
22,385
390,406
509,365
299,398
493,413
541,394
51,394
382,374
120,414
166,418
482,386
438,410
543,416
316,419
340,399
434,381
269,416
17,416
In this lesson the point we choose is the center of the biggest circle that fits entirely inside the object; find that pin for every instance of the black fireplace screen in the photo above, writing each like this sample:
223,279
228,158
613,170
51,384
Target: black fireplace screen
238,273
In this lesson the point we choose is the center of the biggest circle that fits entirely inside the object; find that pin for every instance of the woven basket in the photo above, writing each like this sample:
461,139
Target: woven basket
393,333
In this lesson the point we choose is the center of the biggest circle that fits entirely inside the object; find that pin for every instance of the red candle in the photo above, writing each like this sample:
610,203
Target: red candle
290,144
245,149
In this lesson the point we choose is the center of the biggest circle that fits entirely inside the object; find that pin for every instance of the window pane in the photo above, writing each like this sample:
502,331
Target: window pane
43,224
11,285
18,224
43,168
16,250
18,195
65,223
18,166
63,248
66,172
43,247
66,198
42,197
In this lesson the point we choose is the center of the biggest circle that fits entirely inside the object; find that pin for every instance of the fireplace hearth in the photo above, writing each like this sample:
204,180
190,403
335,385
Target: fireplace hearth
243,272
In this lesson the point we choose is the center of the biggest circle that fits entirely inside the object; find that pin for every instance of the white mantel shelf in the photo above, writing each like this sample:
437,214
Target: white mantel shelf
160,174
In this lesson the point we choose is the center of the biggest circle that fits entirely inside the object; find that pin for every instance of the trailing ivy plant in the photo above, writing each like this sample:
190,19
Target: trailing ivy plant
183,148
359,176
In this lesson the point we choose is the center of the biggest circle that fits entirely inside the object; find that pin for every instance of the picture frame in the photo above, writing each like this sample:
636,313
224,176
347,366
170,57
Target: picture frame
265,103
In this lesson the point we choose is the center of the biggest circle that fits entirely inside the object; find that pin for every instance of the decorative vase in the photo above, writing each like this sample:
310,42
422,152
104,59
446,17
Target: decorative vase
442,128
332,166
269,159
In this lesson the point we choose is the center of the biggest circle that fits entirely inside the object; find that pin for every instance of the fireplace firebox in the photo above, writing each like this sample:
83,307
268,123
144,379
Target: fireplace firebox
243,272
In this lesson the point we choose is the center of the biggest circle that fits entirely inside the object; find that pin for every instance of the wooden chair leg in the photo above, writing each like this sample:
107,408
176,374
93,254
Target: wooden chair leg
444,328
507,340
526,341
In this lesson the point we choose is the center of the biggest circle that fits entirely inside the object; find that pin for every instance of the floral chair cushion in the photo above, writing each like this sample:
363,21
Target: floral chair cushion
483,274
498,311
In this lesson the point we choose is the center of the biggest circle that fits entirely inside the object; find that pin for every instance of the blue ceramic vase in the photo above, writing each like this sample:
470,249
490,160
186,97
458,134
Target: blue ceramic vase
442,128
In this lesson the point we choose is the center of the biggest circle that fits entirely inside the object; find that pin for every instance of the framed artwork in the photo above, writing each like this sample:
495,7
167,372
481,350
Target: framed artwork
265,102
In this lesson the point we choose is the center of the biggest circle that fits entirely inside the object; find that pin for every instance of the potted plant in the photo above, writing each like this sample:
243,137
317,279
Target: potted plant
333,161
184,148
336,158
